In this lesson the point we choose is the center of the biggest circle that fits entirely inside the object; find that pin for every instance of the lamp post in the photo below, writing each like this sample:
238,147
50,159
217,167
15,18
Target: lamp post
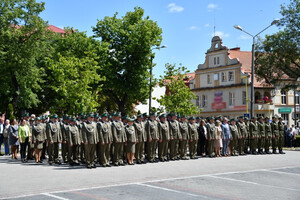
151,66
252,64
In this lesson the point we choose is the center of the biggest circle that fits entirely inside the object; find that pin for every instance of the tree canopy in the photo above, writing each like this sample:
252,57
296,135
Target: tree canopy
179,98
278,55
130,39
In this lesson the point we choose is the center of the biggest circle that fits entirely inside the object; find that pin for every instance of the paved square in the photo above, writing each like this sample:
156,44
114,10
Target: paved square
247,177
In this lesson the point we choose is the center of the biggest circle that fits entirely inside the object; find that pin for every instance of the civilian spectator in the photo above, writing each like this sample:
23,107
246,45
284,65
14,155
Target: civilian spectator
225,136
202,138
218,141
24,134
5,136
14,139
1,132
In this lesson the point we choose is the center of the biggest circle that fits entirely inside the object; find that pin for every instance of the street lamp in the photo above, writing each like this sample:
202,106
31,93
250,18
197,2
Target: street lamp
252,65
151,66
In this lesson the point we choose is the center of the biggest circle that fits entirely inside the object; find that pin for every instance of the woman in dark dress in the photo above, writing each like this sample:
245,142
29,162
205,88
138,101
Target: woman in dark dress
202,138
14,139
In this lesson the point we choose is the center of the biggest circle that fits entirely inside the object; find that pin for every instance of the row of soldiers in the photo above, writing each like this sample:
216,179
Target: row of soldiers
102,139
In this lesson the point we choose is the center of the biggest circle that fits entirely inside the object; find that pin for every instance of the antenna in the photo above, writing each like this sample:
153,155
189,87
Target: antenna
214,20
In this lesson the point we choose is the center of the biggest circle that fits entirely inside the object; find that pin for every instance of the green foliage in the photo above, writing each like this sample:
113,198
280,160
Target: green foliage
22,39
279,54
72,74
10,112
130,39
179,99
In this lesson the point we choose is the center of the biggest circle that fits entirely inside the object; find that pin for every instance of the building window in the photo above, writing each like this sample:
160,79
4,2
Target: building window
208,79
218,60
260,115
216,77
231,98
297,97
223,75
230,76
283,97
215,60
244,97
198,101
204,101
285,117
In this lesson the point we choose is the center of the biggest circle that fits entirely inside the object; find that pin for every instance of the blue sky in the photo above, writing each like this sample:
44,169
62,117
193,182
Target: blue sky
188,25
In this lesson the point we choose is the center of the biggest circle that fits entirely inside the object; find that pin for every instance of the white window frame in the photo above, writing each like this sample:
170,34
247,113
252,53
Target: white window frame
285,117
231,98
209,79
223,76
283,97
244,98
204,101
231,78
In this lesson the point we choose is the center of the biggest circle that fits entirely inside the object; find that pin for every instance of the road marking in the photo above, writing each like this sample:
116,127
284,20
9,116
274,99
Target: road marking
54,196
281,172
169,190
151,181
253,183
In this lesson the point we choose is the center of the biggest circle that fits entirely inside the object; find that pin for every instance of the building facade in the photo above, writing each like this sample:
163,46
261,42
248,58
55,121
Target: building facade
222,87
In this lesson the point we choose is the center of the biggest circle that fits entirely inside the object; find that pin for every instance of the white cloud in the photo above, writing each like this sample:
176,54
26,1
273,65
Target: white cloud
173,8
221,34
244,37
211,7
192,28
207,25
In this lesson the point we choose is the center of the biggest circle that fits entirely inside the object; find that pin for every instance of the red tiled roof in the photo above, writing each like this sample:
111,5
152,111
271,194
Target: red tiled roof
56,29
245,58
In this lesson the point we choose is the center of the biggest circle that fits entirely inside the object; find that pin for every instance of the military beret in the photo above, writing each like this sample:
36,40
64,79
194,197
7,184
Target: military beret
104,115
152,114
198,117
130,119
192,118
139,116
38,118
162,115
96,115
246,118
260,117
275,116
240,117
178,116
90,115
232,120
54,116
117,115
32,119
73,119
173,114
183,116
280,118
84,117
254,117
211,118
267,117
80,114
26,115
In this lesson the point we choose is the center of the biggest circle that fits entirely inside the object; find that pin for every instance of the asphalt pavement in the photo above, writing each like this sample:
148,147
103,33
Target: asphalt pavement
242,177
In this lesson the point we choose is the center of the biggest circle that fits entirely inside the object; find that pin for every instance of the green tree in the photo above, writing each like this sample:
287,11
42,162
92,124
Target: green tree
126,69
23,35
71,84
278,55
179,98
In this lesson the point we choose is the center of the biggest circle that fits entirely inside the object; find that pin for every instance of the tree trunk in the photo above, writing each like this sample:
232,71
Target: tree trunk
16,91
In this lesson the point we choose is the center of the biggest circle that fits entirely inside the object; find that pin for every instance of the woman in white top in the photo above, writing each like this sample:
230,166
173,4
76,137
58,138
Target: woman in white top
218,140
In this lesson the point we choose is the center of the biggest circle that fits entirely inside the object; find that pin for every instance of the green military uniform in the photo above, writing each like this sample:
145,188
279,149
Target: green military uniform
38,135
193,138
105,141
90,139
30,149
184,131
247,139
152,138
64,144
79,125
131,139
281,136
140,134
235,135
211,136
119,138
74,140
275,134
175,136
243,133
261,136
268,136
54,137
164,138
253,136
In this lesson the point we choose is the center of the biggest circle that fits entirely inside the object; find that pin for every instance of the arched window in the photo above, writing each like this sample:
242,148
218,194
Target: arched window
257,97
